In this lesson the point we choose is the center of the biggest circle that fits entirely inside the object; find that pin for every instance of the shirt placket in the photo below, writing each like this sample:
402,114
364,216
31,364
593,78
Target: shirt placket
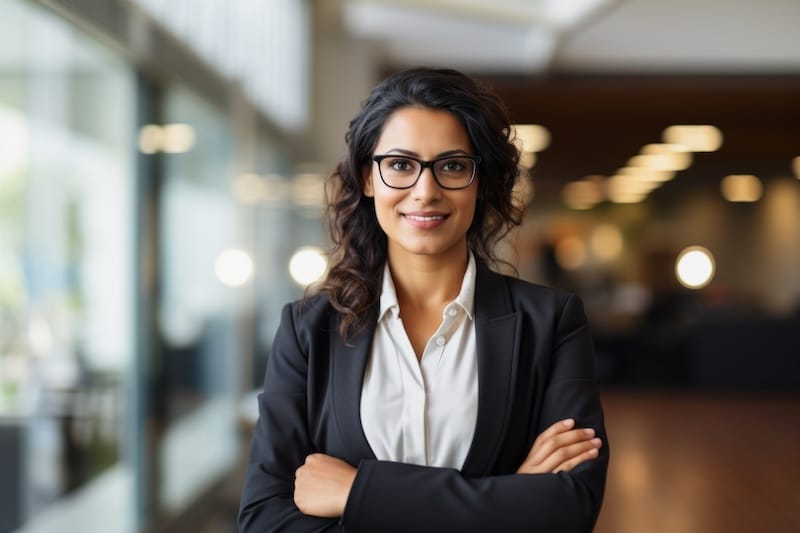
422,375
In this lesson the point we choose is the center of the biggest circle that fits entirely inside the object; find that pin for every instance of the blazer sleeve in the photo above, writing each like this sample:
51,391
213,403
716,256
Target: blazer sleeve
389,496
280,443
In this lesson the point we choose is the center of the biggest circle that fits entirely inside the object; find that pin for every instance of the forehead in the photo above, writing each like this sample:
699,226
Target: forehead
423,129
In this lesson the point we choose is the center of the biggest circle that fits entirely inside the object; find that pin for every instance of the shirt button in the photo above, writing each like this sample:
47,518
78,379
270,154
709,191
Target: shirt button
453,311
440,340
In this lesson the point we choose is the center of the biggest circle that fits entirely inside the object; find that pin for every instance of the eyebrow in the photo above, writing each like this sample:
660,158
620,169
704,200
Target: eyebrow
415,154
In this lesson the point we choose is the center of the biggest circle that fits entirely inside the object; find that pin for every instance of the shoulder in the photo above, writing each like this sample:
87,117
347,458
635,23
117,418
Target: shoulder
541,308
310,310
304,323
525,290
525,295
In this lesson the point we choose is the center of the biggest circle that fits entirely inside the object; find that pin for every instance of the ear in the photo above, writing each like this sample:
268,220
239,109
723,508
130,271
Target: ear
367,189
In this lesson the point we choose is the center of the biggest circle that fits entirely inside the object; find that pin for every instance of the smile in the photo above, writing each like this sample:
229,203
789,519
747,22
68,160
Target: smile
426,218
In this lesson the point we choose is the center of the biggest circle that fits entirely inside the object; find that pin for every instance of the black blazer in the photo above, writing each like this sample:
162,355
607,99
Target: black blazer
535,367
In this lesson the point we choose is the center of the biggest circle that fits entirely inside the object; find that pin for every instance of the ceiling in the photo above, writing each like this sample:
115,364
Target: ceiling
607,77
531,37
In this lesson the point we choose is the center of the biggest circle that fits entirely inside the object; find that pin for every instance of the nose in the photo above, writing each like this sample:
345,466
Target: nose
426,188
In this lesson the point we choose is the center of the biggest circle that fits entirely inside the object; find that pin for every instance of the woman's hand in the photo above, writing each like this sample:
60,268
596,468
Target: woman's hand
560,448
322,485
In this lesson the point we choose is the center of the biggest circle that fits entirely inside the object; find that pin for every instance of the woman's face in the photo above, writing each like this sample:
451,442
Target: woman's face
424,219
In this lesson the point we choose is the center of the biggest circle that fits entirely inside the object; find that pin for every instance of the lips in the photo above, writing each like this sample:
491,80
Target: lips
425,220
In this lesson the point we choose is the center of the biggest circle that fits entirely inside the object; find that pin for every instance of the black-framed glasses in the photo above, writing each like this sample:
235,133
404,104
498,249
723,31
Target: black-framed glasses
451,172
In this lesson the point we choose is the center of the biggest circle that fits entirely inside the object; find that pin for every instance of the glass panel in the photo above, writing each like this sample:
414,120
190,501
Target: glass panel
199,315
66,276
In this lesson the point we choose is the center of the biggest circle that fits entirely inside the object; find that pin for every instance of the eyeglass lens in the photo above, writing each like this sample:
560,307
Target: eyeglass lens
450,172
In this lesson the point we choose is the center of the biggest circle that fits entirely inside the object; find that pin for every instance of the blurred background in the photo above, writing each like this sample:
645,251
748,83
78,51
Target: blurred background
162,169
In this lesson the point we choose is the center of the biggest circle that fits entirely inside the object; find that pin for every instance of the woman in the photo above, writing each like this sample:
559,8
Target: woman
419,390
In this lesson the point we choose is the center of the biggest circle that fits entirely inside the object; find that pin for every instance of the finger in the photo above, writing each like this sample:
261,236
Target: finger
546,447
566,454
555,451
588,455
556,428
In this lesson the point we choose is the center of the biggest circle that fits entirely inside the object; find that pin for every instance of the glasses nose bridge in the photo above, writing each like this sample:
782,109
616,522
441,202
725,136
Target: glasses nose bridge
427,164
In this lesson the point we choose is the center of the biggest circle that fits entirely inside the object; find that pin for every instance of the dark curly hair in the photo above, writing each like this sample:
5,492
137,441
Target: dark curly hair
359,243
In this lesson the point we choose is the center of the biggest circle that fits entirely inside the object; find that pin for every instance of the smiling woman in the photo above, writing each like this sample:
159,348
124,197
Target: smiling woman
420,390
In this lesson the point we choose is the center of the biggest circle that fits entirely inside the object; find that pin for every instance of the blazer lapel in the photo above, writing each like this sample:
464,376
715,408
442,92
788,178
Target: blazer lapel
497,331
348,363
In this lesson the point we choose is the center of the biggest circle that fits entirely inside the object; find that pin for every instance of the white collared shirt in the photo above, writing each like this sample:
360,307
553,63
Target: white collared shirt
422,412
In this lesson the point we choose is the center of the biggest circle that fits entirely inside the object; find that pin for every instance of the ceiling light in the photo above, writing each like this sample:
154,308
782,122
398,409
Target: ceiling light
664,148
151,138
664,162
695,267
664,157
527,159
532,137
697,138
233,267
647,174
307,265
741,188
582,194
177,138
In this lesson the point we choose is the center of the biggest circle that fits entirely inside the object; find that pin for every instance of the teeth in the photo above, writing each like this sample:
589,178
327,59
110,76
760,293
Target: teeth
425,219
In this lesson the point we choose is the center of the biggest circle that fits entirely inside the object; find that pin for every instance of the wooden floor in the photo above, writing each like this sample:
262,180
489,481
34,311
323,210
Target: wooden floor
681,462
687,462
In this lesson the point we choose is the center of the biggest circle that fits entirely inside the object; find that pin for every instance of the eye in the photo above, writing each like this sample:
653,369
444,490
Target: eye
400,164
454,165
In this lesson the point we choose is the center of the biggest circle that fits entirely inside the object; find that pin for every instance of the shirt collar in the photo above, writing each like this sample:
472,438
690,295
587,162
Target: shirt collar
465,298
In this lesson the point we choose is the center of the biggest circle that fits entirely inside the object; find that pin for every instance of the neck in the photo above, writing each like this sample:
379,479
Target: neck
425,282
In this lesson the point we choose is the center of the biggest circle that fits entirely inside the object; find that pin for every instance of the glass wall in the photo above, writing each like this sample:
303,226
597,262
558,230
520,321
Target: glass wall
204,277
141,274
66,276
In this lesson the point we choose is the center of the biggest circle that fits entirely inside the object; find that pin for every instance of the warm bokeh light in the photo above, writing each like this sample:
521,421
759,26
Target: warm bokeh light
741,188
695,267
583,194
665,148
151,138
696,138
606,242
664,161
308,190
276,189
178,138
169,138
647,174
570,253
307,265
532,137
233,267
628,188
249,188
527,159
796,165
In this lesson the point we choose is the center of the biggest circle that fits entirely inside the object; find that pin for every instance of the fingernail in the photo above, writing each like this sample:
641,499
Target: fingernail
593,451
569,422
589,432
596,442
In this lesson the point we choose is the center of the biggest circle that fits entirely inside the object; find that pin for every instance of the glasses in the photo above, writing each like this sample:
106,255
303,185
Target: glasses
451,172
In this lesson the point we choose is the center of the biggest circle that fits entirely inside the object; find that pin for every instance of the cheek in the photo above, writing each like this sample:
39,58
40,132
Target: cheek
474,211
